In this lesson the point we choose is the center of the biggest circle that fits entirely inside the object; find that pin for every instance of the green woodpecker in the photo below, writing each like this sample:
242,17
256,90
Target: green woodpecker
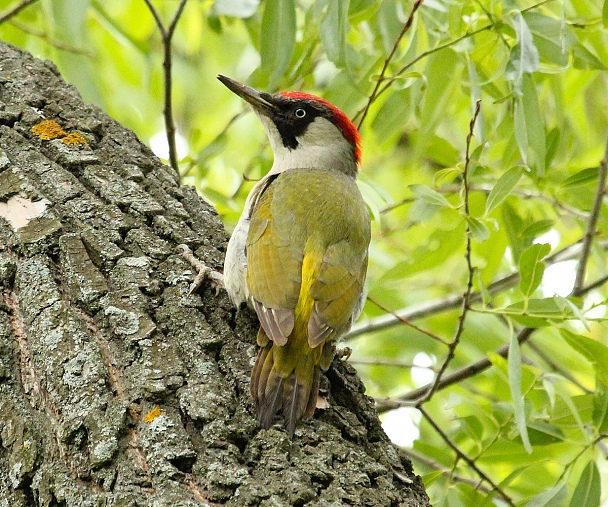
298,254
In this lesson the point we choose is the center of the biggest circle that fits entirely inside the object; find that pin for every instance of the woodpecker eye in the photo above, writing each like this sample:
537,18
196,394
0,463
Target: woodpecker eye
300,113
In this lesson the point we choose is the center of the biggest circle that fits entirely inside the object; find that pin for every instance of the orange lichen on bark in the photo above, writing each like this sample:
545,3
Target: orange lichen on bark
73,138
48,129
153,414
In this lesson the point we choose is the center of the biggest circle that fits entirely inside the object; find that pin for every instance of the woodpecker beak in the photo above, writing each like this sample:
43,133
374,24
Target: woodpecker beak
260,101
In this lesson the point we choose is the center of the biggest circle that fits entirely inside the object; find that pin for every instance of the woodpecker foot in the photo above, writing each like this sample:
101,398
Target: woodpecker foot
344,353
204,272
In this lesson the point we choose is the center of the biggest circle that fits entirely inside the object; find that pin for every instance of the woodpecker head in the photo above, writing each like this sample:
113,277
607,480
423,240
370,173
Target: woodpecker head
304,130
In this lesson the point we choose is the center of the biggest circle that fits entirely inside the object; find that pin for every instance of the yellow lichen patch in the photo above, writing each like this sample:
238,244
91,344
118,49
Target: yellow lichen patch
48,129
73,138
153,414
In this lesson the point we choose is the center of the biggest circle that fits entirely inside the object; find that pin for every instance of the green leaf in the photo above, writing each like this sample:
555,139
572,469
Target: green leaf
535,229
438,91
553,498
524,57
585,59
430,196
521,132
333,29
581,178
537,312
478,229
516,394
371,197
588,490
535,126
389,24
553,139
278,37
564,303
513,224
446,176
70,19
392,115
421,211
505,184
115,29
600,408
441,245
605,14
552,37
531,268
541,433
595,352
213,149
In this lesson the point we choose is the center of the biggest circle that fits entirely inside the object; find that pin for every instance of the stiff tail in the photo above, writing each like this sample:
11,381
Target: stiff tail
277,386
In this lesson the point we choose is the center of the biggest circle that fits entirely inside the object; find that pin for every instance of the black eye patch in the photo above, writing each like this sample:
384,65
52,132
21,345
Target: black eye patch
292,120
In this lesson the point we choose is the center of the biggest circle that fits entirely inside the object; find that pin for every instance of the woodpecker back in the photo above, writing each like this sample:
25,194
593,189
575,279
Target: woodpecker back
298,255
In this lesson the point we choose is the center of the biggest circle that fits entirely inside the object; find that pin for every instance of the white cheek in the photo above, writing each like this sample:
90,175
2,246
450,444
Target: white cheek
322,145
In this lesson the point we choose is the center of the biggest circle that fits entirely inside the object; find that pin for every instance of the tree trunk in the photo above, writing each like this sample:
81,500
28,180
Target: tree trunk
117,387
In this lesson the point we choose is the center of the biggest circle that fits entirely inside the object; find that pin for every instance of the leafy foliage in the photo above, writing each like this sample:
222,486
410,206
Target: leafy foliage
528,427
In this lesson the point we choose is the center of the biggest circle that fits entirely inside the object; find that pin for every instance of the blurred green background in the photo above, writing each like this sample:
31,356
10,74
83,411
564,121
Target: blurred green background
534,423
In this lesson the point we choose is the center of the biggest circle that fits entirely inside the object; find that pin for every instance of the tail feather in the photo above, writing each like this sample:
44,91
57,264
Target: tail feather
273,392
257,371
269,406
312,398
295,401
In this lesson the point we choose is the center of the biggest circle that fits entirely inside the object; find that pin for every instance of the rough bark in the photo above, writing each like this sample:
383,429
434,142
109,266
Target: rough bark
117,387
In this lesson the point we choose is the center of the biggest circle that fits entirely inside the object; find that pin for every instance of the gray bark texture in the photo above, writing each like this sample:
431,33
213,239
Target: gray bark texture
118,387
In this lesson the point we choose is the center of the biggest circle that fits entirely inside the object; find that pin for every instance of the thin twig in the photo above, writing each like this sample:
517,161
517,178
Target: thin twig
412,454
592,222
407,321
166,36
486,189
461,455
50,40
557,368
583,450
385,362
16,10
405,29
471,270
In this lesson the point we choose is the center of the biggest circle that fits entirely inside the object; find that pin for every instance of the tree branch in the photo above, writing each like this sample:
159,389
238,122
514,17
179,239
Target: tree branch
166,36
592,223
16,10
452,301
473,369
374,94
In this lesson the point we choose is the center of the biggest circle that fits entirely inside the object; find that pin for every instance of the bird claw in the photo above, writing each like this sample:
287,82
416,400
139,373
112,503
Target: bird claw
344,353
204,272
